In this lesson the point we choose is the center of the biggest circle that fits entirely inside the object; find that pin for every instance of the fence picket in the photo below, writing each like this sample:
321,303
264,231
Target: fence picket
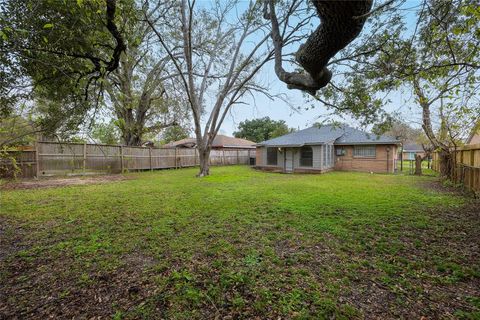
466,169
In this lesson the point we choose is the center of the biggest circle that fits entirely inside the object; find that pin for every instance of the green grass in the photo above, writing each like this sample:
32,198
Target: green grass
409,168
240,243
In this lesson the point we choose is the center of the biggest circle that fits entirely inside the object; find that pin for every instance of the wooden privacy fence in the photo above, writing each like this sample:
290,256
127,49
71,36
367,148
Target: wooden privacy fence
466,169
56,158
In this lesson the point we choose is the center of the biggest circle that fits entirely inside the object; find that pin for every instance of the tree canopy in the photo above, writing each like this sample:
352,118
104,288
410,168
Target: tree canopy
258,130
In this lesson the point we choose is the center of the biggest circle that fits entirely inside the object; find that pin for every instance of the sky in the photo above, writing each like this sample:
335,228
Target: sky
300,119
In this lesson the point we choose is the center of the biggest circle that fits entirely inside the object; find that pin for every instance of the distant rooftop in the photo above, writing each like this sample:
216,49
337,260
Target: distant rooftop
412,147
220,141
340,135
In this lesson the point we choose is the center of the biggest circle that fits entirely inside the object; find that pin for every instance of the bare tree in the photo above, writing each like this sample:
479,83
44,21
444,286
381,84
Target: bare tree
216,55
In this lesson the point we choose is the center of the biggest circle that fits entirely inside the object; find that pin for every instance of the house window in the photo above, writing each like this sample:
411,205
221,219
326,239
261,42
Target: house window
306,157
364,151
327,155
272,156
340,152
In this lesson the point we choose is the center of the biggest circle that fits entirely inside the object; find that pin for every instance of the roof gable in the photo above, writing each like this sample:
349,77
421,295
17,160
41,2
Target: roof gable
219,142
341,135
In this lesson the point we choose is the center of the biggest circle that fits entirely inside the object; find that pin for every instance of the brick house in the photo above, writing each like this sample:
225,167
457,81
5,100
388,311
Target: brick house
474,137
324,148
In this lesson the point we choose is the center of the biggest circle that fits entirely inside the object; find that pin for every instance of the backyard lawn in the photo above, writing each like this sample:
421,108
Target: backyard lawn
240,244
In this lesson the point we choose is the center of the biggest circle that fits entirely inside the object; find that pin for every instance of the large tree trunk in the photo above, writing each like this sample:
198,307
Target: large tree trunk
418,165
204,157
446,164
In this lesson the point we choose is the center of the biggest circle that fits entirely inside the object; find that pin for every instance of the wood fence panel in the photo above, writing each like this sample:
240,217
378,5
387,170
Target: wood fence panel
54,158
163,158
466,169
102,158
60,158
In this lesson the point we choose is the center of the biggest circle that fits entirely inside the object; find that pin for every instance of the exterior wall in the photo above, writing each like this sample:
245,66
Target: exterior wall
378,164
347,162
475,139
261,160
316,161
259,154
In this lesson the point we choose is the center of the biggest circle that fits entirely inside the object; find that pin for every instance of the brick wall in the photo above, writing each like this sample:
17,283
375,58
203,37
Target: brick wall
378,164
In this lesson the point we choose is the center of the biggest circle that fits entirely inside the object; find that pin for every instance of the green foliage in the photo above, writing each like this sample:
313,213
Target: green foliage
262,129
9,168
55,51
106,133
174,133
15,131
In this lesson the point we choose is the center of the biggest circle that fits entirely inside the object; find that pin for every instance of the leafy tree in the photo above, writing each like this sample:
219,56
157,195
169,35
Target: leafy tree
15,130
174,133
262,129
59,51
141,95
106,133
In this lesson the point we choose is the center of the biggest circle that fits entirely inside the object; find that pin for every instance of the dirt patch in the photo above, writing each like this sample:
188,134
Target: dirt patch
62,182
437,185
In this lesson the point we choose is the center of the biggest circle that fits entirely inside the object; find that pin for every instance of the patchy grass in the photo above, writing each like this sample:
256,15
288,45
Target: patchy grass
240,244
409,168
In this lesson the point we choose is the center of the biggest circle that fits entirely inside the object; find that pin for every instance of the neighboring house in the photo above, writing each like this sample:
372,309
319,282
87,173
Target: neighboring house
410,150
326,148
474,137
220,142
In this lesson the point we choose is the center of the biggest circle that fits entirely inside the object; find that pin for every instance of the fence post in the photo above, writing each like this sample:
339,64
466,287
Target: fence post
462,175
37,160
238,158
122,168
196,157
150,156
472,170
175,157
223,156
84,165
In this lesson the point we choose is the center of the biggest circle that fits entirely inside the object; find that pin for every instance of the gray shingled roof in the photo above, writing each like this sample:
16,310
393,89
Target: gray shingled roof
341,135
412,147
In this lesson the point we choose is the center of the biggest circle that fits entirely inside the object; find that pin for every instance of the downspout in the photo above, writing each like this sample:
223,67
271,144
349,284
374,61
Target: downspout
401,158
388,154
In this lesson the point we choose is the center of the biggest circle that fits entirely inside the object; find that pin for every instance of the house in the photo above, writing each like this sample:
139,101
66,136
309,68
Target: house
324,148
220,142
474,137
410,150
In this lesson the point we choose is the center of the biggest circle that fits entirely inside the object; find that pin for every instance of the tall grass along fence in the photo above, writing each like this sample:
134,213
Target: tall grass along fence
466,169
56,158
